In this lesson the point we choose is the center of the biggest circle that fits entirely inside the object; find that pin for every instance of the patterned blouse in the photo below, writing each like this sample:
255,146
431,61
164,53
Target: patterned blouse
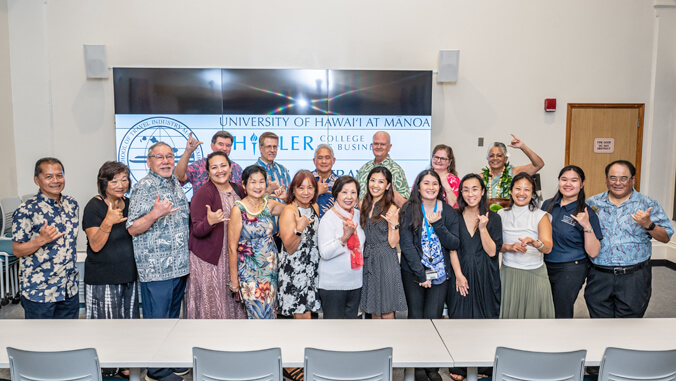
50,274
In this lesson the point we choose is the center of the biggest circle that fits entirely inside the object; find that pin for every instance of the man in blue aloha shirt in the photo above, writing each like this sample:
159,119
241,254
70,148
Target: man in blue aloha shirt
278,176
158,221
44,234
619,284
325,177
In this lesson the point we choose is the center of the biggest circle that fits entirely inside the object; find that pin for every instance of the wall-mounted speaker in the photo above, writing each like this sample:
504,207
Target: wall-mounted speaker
448,65
95,61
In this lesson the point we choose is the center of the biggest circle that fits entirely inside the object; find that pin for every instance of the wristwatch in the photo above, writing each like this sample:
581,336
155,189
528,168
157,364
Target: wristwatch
395,227
297,232
590,230
651,227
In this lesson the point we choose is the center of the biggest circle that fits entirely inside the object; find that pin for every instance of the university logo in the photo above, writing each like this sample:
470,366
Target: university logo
133,149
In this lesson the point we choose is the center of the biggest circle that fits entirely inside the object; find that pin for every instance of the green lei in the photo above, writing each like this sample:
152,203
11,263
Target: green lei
503,185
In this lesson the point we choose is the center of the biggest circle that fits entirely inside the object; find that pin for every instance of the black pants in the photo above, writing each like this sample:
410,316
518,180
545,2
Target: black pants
339,304
423,303
618,296
566,279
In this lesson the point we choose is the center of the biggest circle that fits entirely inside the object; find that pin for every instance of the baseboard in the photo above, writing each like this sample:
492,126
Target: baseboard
664,254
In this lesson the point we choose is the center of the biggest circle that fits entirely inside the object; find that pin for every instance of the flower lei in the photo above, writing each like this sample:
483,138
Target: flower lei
503,185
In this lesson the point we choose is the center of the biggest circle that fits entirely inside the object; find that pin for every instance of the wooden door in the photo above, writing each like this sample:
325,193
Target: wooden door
619,123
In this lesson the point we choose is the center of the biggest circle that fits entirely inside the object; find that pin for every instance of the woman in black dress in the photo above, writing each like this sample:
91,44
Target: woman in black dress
474,284
474,291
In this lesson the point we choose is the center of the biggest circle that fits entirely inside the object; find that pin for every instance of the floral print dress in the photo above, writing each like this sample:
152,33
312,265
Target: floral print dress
257,264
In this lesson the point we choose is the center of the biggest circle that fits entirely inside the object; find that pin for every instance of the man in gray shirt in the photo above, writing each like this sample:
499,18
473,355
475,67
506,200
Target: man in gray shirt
158,221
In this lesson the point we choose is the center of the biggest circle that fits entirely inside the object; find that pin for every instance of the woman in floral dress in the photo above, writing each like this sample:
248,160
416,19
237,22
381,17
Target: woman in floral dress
253,254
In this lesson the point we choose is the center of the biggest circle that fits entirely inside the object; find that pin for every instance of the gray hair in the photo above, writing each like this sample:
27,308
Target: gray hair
152,147
324,145
500,145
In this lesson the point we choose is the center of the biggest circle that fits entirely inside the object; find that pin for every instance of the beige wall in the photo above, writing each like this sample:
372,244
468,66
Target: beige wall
8,185
513,55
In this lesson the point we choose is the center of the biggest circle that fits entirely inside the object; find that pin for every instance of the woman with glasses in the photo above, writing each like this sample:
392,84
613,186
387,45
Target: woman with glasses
577,233
527,237
443,163
474,284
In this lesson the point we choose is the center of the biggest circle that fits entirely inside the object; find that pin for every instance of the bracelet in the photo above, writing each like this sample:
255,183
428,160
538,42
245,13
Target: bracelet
107,232
541,246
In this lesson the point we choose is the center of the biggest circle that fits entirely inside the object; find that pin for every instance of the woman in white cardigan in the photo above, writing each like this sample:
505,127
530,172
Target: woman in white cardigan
341,244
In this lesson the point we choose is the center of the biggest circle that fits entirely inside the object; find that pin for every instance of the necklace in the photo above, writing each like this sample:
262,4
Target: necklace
264,204
504,181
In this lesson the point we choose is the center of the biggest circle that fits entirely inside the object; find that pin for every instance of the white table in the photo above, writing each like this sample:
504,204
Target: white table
472,343
118,343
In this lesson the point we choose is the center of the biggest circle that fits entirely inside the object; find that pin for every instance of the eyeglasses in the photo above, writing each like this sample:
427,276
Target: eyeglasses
270,147
162,157
614,179
439,158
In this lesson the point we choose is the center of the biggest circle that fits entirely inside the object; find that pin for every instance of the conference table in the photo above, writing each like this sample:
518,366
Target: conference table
138,344
472,343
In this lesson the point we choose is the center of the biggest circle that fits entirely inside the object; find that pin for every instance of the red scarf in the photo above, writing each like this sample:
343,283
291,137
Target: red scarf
353,244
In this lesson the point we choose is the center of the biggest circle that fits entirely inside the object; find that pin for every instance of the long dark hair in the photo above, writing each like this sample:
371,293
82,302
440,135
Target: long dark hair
580,196
415,201
385,202
483,204
533,204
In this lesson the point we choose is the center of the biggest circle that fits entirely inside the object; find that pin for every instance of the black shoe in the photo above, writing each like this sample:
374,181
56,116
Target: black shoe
433,374
420,374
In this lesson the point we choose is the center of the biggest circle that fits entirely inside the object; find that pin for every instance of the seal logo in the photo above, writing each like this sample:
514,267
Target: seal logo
134,145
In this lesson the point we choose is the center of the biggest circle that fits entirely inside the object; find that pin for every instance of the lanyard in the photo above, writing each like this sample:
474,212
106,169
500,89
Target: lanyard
428,227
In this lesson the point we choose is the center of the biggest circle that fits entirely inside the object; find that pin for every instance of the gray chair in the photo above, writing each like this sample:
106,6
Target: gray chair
79,364
629,364
514,364
212,365
9,264
374,365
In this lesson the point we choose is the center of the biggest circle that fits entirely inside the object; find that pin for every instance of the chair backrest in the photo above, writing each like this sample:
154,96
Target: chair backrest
26,197
374,365
261,365
629,364
9,205
514,364
79,364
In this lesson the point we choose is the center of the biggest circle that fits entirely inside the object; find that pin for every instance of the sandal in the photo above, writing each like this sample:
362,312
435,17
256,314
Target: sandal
293,374
457,377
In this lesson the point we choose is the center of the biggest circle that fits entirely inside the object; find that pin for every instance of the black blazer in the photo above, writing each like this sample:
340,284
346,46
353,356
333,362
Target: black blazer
411,247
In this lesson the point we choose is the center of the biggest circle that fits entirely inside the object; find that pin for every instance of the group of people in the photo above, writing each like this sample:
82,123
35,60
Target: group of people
258,243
